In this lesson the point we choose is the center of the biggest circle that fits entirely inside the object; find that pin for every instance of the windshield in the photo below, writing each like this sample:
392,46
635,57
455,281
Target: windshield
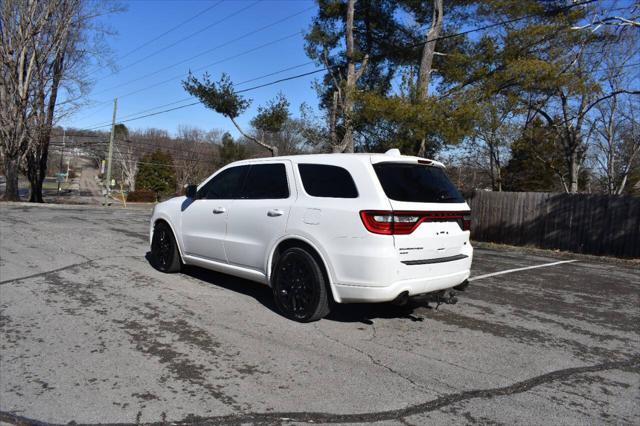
416,183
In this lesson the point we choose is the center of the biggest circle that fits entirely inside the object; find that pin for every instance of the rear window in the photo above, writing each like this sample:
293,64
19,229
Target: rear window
265,182
321,180
416,183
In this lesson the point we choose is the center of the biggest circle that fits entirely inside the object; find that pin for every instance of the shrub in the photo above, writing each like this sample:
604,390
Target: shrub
142,195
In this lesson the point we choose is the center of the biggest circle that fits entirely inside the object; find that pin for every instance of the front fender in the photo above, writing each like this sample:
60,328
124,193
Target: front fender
169,211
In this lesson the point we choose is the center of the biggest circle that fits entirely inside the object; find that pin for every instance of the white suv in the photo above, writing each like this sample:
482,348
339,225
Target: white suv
352,227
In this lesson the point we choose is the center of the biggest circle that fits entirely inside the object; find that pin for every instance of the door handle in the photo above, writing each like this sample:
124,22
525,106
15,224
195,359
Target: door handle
219,210
275,213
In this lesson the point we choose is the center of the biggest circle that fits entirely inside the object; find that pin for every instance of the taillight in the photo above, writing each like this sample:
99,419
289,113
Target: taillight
466,222
389,222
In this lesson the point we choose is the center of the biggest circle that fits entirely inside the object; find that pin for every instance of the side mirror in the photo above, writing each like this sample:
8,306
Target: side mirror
191,192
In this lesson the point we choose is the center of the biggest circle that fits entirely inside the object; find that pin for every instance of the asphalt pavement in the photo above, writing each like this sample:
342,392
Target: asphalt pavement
91,333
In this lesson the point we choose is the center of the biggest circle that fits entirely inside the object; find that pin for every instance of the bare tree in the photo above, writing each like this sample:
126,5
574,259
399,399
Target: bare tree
197,157
25,51
126,155
488,147
62,36
568,104
616,141
44,49
613,14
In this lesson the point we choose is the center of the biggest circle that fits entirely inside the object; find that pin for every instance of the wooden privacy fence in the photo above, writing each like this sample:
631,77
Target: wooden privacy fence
583,223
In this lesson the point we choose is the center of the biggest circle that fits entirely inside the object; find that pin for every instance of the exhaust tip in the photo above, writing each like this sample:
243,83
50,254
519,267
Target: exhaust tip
462,286
402,299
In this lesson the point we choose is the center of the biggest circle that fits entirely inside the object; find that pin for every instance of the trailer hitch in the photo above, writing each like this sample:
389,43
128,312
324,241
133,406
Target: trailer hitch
445,297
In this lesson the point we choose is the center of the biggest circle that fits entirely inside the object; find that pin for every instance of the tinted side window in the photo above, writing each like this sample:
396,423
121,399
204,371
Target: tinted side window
265,181
320,180
418,183
224,186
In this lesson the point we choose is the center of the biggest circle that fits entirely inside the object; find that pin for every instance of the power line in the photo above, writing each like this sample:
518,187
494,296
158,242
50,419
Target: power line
173,151
447,36
197,69
219,21
239,91
181,75
159,36
202,12
108,102
271,83
419,44
236,85
226,43
551,12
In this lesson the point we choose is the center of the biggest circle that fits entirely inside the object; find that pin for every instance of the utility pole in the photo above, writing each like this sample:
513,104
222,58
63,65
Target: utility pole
66,177
113,128
59,177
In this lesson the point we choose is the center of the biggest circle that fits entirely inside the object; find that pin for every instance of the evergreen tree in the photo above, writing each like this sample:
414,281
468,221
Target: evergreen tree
231,151
534,163
156,173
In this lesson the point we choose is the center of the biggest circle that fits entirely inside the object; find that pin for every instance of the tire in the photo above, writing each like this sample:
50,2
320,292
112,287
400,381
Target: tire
299,286
164,250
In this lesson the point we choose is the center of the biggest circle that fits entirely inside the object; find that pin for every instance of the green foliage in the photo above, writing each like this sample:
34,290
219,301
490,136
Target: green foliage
219,96
272,117
402,123
376,33
156,173
120,132
533,160
231,151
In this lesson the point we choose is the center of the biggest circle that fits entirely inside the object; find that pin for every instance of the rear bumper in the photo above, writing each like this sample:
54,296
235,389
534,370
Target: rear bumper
416,286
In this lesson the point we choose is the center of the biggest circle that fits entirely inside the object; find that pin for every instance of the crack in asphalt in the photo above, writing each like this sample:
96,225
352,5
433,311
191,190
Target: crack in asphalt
373,360
73,265
323,417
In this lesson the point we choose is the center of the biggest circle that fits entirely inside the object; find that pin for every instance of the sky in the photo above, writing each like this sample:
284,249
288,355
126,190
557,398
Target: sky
152,64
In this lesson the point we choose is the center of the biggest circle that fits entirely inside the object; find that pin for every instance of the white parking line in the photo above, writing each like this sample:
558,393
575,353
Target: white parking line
493,274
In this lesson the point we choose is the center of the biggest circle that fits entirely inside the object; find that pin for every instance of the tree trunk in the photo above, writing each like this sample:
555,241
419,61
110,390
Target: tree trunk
332,120
492,168
353,75
11,174
347,139
35,193
426,62
574,172
429,50
36,161
37,168
272,148
627,170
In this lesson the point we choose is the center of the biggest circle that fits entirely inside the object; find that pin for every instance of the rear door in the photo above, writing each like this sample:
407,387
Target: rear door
258,216
424,193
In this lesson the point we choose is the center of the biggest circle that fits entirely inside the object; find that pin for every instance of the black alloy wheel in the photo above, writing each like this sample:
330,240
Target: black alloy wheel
164,250
299,286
